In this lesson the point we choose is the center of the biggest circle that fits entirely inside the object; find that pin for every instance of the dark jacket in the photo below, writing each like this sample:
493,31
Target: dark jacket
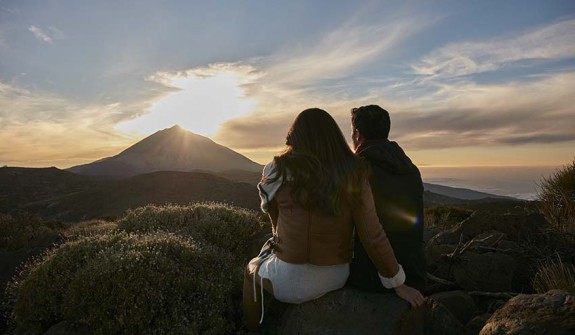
398,194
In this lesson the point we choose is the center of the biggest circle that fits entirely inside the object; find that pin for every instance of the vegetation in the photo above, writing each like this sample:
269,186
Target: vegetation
18,229
555,274
89,228
160,270
219,224
557,198
445,217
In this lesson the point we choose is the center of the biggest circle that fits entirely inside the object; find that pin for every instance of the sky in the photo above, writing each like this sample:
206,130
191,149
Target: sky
467,83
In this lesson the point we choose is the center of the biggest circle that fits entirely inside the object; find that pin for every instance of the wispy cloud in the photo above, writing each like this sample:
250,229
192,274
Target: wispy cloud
552,42
48,36
296,79
40,34
538,111
50,128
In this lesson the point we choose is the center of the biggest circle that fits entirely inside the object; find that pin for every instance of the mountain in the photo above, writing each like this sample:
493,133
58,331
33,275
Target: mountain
462,193
172,149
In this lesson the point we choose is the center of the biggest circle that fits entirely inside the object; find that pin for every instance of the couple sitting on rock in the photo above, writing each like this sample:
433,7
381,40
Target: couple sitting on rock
338,217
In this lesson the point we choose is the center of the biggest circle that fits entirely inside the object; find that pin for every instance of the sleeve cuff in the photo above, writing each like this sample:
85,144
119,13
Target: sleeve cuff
395,281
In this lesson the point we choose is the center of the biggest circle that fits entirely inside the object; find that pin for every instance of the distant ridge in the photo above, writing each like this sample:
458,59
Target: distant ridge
462,193
171,149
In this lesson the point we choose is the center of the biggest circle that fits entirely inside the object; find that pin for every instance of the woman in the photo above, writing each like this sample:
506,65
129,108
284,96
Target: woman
316,193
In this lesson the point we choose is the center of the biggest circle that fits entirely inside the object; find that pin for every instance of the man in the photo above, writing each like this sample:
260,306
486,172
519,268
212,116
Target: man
398,194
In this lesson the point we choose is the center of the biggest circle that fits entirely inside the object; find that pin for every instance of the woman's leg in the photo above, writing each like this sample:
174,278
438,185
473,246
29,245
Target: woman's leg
253,307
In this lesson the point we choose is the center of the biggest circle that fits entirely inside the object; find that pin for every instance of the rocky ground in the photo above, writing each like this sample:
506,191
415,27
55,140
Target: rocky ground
480,282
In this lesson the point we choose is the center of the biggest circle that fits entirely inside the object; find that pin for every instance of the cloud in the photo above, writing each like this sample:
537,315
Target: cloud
297,78
464,115
37,127
39,34
49,36
553,42
340,53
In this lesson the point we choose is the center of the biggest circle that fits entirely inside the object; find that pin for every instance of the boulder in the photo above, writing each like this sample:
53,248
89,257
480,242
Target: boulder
549,313
434,254
438,320
491,272
350,311
68,328
459,303
474,326
514,226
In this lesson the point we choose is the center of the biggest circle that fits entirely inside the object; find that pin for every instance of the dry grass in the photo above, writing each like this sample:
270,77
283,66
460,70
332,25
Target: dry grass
554,274
557,198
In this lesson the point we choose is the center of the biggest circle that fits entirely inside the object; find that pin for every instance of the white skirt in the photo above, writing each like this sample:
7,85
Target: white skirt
298,283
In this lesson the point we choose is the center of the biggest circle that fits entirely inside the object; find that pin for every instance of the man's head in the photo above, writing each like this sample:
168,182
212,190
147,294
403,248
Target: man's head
369,122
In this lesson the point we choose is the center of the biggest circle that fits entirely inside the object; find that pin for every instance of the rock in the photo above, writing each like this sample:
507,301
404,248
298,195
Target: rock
429,232
434,254
350,311
438,320
459,303
491,272
68,328
549,313
515,226
474,326
445,237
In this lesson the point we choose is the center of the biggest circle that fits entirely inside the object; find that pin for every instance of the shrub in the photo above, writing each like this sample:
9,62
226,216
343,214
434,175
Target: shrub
222,225
18,229
122,283
89,228
554,275
557,198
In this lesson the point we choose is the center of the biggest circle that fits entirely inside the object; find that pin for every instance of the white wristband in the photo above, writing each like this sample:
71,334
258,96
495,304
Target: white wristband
395,281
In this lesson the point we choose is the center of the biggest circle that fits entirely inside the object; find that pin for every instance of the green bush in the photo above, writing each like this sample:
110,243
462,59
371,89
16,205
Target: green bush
557,198
222,225
554,274
156,283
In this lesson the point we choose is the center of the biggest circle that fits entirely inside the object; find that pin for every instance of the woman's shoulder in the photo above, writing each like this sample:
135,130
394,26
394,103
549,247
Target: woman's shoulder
269,171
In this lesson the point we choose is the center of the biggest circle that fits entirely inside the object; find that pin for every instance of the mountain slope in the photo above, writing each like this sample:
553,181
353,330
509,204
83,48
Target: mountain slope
158,188
172,149
22,186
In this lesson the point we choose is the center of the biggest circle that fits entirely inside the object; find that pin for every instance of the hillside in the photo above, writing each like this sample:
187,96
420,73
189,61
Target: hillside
24,186
172,149
113,199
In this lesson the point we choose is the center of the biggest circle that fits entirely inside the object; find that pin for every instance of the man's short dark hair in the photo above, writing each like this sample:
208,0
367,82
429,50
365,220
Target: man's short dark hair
371,121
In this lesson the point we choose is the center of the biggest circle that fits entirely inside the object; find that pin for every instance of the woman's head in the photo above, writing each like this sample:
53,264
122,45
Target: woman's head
322,168
315,132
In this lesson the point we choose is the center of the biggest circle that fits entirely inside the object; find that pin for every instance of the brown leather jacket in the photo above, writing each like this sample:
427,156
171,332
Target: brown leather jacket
304,236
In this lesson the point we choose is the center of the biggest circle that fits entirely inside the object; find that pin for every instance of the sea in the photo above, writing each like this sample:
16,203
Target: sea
521,182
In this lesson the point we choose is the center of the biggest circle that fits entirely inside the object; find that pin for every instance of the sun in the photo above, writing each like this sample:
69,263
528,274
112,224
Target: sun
203,99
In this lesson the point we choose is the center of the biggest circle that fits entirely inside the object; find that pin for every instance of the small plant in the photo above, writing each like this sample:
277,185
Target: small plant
554,274
557,198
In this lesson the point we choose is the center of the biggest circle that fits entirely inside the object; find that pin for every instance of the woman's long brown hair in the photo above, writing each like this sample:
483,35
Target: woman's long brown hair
318,164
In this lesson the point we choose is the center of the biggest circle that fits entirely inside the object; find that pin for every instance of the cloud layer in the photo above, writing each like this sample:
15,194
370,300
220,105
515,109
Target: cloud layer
512,90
